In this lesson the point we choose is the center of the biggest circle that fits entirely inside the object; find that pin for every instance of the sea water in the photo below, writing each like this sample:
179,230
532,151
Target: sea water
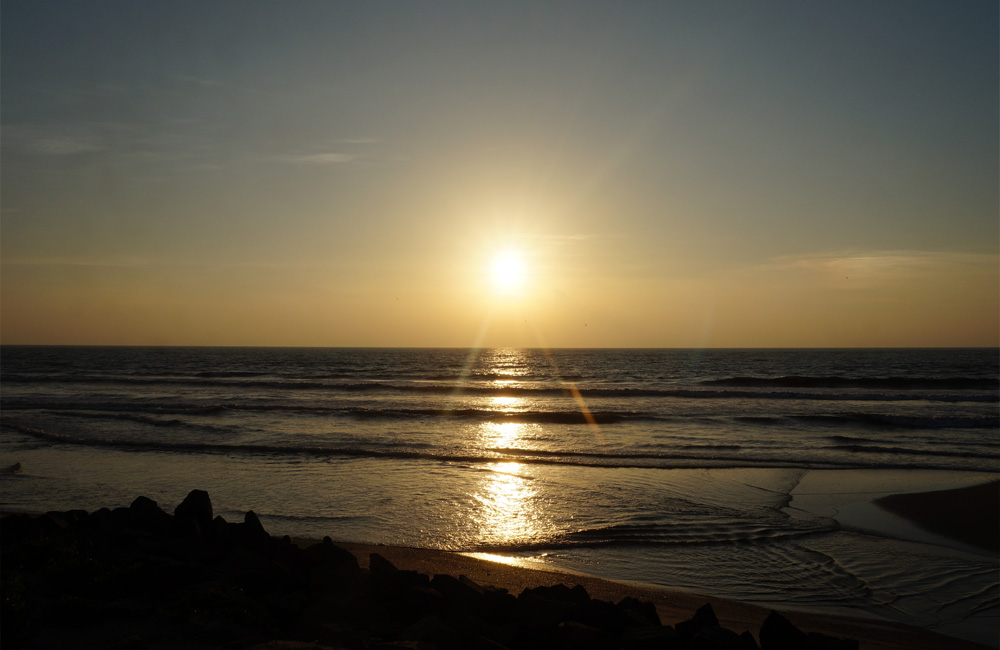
693,469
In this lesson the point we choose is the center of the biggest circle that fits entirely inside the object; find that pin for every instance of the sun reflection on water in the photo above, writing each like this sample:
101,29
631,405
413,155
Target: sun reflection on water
506,404
508,512
501,435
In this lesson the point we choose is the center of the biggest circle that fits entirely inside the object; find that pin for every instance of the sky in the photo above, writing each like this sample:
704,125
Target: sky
656,174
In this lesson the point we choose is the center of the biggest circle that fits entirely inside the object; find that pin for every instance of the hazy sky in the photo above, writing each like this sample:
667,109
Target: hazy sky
667,174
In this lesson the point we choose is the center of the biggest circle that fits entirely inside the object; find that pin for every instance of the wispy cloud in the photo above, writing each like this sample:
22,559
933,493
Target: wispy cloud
329,158
198,81
878,266
58,141
177,144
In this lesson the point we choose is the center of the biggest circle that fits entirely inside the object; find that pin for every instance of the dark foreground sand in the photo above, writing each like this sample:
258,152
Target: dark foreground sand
138,578
970,515
672,606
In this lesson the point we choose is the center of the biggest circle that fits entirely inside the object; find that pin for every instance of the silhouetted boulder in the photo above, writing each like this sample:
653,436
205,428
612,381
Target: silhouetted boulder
703,618
146,514
576,634
651,637
643,609
331,568
381,567
194,514
560,593
778,633
713,637
189,580
817,641
432,630
605,616
250,534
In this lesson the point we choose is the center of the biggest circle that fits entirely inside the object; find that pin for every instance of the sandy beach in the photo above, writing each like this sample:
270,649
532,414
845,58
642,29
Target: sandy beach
963,514
237,559
673,606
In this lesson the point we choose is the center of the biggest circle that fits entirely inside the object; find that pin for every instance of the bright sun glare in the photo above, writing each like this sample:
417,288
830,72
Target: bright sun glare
508,272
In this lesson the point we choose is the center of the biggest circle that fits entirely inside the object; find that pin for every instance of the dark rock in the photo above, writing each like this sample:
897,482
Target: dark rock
499,604
484,643
122,517
713,637
329,553
458,593
255,572
380,567
560,593
194,514
420,601
704,617
651,637
778,633
78,517
250,534
541,612
469,625
431,629
386,577
189,580
15,528
54,522
817,641
146,514
331,568
574,634
472,584
133,642
605,616
643,609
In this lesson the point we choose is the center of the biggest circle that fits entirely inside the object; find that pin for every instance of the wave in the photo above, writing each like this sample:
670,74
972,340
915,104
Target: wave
129,411
905,451
981,393
690,456
892,383
160,415
879,420
724,533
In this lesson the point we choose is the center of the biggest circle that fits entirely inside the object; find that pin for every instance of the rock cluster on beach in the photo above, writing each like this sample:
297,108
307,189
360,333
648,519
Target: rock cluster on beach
138,577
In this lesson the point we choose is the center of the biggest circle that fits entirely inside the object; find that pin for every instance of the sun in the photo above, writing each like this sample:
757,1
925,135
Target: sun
508,272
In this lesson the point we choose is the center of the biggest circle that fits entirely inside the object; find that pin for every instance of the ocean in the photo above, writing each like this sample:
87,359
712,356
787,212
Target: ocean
746,474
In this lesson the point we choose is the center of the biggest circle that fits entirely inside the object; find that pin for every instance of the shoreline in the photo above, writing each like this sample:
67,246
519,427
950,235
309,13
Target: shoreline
954,513
673,605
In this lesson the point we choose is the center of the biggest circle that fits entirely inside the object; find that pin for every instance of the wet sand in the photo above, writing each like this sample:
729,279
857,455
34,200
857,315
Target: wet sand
673,606
970,515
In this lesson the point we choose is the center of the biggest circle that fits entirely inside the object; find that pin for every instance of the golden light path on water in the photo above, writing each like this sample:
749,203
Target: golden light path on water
507,509
507,512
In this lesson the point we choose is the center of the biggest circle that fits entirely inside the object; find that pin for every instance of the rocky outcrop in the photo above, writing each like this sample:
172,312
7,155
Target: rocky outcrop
138,577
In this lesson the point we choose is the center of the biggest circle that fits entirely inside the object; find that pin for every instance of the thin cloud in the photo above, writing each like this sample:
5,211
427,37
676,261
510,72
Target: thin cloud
198,81
65,142
330,158
864,268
